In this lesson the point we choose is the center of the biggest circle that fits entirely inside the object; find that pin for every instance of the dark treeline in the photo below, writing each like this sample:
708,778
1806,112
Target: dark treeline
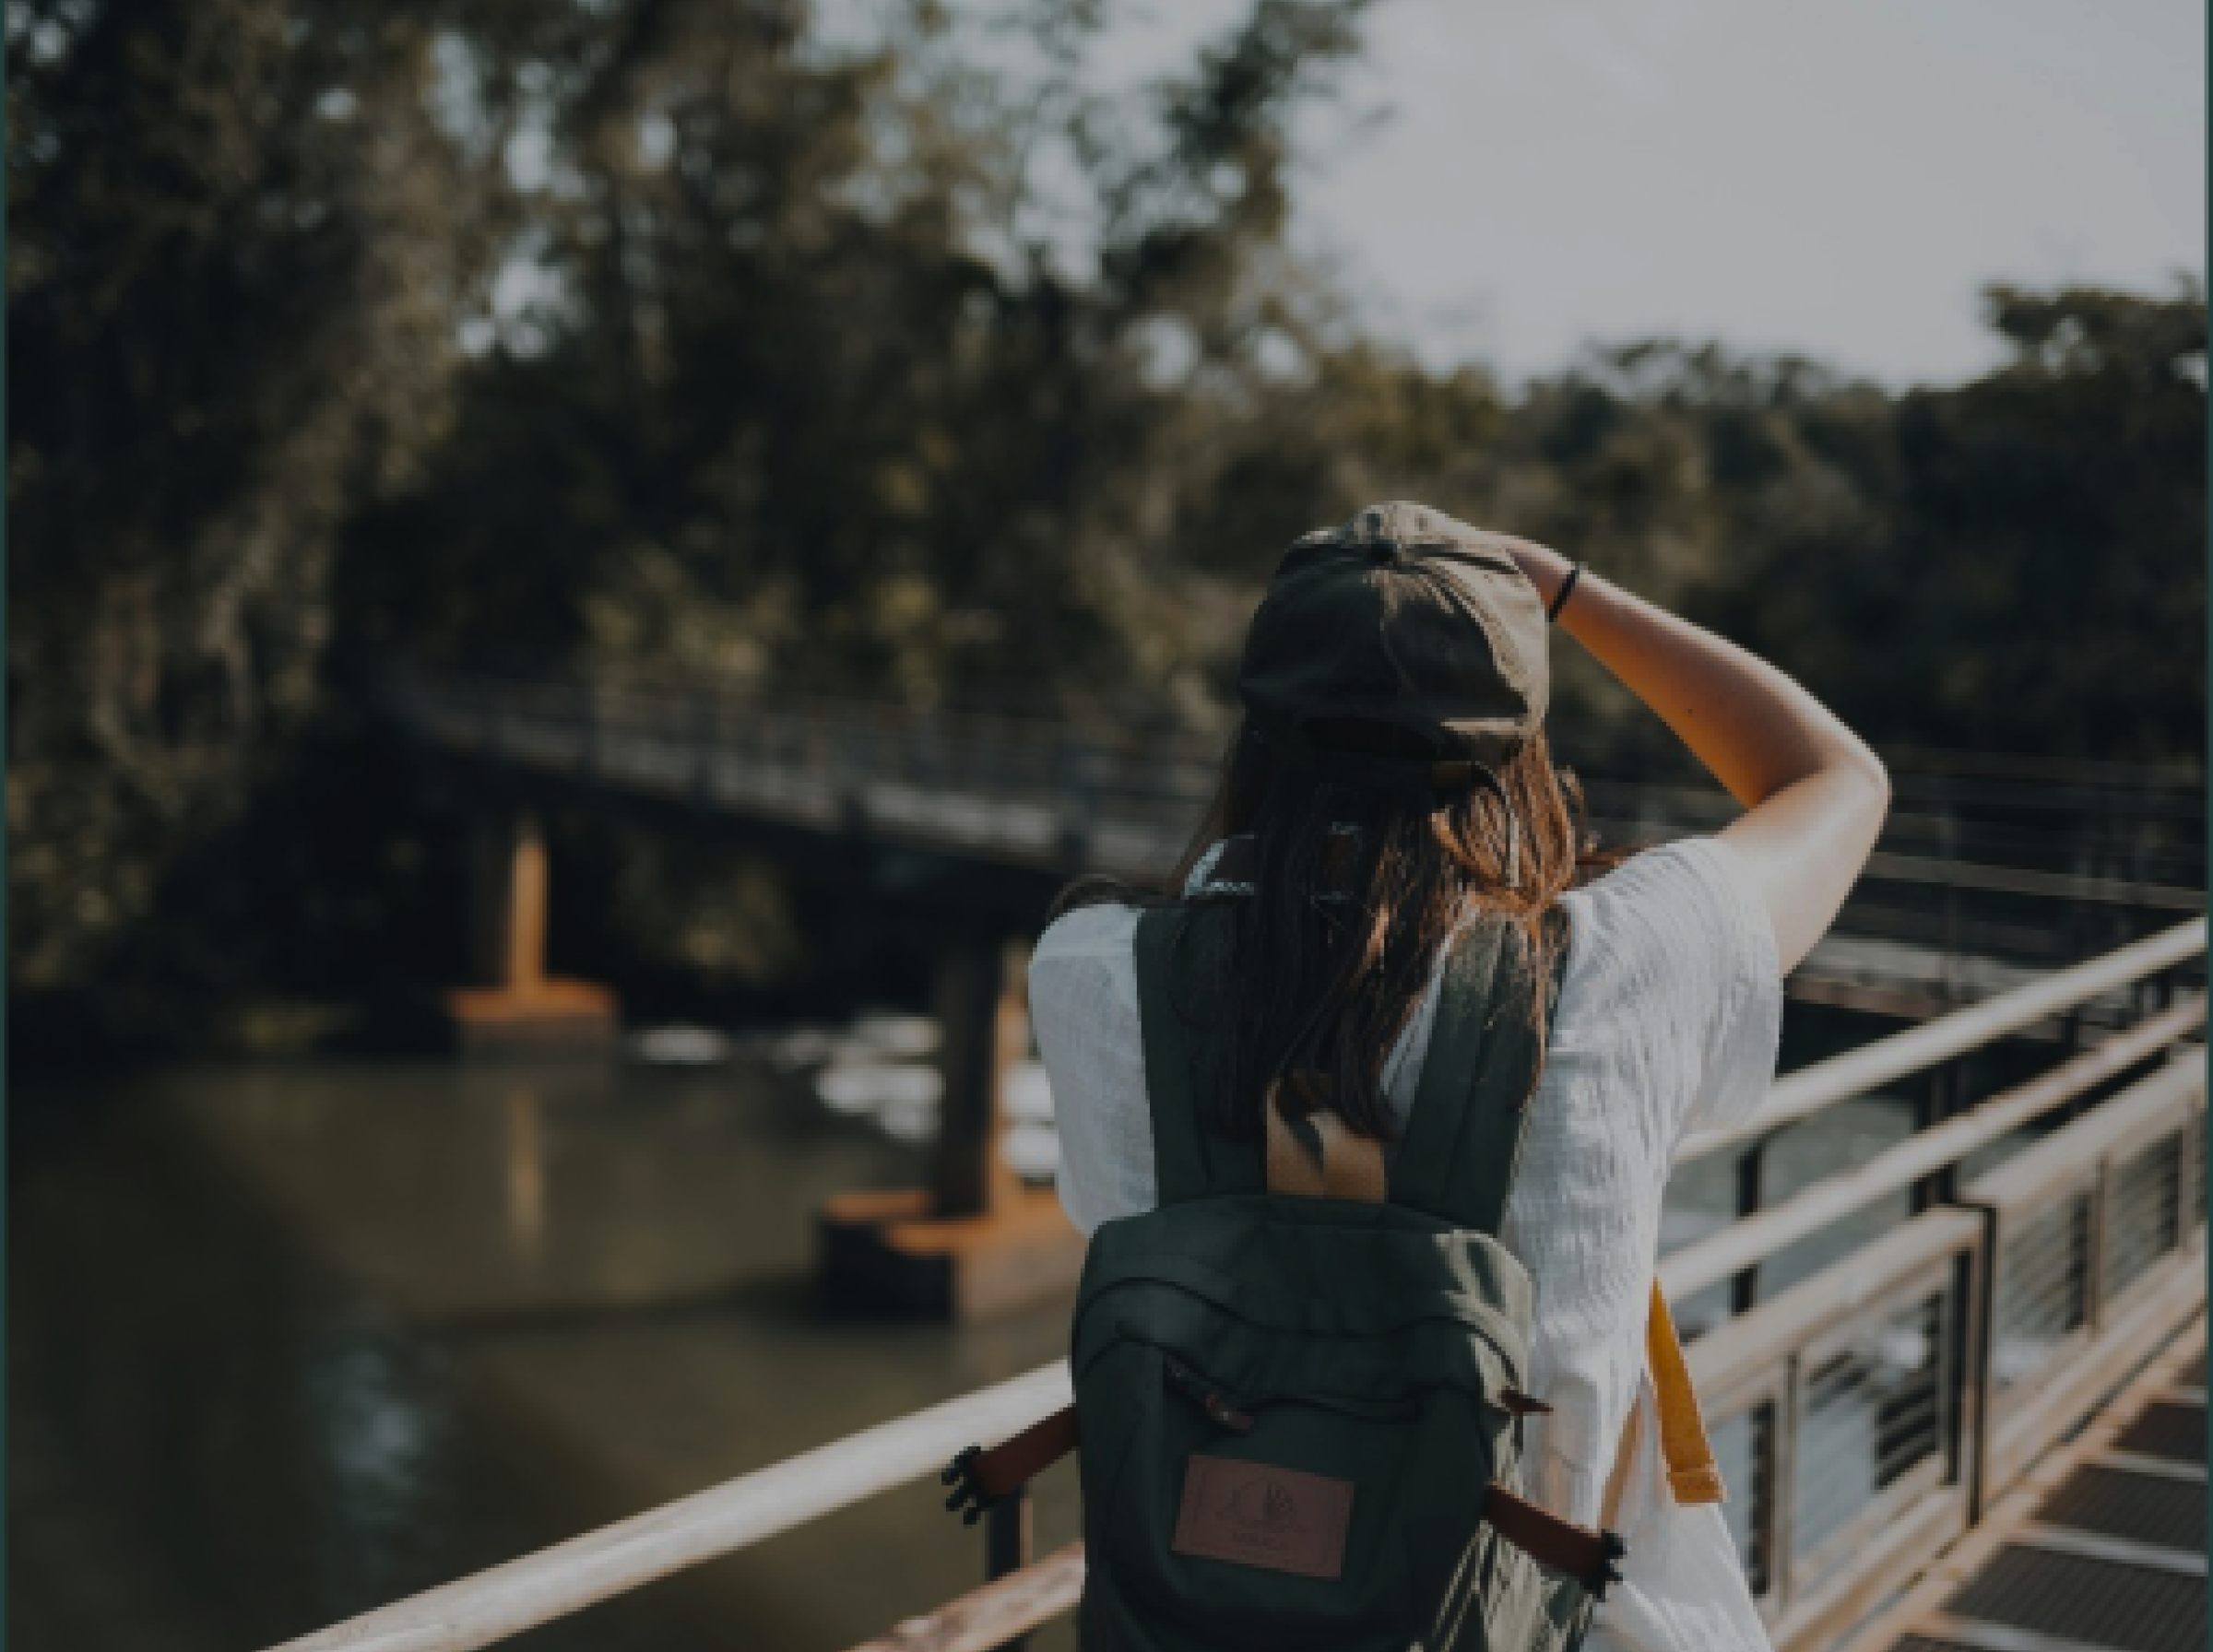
658,335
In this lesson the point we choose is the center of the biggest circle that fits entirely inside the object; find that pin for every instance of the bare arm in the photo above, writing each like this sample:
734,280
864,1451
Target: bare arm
1813,795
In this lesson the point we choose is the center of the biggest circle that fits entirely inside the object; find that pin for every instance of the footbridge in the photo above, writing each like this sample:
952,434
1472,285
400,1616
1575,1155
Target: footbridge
1990,869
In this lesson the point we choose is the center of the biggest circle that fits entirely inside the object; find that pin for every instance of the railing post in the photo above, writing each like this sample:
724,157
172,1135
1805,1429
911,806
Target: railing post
2093,1254
1782,1477
1954,971
1940,1099
1009,1535
1978,1360
1751,1185
984,1031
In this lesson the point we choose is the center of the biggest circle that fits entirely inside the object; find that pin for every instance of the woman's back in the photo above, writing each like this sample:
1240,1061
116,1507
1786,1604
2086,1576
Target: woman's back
1667,1022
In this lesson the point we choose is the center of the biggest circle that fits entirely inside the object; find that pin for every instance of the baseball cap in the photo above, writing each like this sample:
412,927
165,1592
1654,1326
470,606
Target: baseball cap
1408,618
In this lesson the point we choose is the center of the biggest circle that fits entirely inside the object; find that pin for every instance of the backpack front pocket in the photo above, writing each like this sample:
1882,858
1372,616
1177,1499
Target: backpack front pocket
1280,1516
1272,1532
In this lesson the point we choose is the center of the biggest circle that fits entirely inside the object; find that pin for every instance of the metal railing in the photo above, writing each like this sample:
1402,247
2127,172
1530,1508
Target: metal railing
1874,1410
1039,792
1863,1416
2124,984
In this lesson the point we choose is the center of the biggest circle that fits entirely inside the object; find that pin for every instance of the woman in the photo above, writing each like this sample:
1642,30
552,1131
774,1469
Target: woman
1670,995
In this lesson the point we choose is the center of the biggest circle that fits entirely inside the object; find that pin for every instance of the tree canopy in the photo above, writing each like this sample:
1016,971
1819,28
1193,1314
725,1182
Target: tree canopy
663,336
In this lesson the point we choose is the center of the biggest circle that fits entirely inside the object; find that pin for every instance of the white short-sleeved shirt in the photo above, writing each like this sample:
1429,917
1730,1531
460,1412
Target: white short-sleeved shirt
1670,1007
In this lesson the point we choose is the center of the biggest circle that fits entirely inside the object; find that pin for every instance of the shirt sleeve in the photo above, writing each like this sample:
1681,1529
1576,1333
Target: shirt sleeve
1683,950
1082,1001
1747,1022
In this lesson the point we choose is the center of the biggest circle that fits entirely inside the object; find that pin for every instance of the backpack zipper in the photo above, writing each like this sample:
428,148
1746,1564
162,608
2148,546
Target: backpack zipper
1225,1410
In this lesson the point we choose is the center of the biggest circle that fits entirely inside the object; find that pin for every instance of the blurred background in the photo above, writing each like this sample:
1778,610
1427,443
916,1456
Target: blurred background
564,555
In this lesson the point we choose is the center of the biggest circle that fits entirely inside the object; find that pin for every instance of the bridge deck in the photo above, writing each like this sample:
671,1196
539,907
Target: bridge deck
2102,1549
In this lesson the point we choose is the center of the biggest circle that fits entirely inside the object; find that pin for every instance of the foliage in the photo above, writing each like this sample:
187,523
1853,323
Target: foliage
653,336
237,243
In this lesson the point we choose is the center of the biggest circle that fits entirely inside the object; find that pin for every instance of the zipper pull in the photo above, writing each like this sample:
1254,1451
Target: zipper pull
1225,1415
1218,1409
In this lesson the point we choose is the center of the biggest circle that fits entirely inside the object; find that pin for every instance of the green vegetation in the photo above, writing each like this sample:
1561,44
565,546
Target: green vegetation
822,388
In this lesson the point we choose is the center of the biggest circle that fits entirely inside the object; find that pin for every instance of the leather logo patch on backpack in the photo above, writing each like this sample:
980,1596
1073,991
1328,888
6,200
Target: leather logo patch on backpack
1258,1515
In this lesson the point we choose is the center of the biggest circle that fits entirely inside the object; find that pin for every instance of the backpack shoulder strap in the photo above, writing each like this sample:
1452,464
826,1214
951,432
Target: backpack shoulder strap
1189,1161
1462,1142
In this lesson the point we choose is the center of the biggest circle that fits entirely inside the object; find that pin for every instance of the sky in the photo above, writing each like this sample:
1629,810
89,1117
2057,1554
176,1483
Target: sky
1506,181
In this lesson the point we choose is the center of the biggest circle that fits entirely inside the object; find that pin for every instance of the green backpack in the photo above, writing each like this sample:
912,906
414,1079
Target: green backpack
1298,1380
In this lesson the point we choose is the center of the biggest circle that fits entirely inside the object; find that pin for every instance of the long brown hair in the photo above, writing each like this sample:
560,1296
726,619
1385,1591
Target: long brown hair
1355,891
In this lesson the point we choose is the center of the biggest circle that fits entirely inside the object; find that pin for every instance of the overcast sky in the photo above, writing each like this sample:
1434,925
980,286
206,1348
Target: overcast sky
1837,178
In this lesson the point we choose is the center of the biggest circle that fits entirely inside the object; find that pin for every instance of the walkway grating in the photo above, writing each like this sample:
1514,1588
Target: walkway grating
2111,1560
2097,1603
2114,1503
2167,1428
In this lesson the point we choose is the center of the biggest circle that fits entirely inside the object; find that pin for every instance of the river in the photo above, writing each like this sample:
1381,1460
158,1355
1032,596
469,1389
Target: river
287,1340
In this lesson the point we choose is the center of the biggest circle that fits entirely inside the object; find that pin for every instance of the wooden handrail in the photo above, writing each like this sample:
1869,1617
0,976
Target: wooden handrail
995,1614
477,1611
1751,1240
1747,1346
1797,1096
1884,868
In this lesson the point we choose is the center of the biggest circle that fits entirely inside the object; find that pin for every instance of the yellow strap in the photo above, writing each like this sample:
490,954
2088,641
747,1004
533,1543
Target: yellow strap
1692,1474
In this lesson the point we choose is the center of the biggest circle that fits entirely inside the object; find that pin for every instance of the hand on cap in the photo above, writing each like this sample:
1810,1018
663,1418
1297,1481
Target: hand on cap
1543,567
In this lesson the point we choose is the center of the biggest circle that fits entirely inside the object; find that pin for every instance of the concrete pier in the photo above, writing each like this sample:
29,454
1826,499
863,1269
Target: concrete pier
975,1243
513,1006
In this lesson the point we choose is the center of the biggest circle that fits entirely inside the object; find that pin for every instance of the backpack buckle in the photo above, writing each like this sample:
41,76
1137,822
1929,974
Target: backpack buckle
1611,1550
969,1499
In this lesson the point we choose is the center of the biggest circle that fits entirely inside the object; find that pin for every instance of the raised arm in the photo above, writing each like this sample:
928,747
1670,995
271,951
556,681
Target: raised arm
1813,795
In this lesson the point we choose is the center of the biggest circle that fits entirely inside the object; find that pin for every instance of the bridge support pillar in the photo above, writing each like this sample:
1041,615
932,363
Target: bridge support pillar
984,1029
976,1242
513,1006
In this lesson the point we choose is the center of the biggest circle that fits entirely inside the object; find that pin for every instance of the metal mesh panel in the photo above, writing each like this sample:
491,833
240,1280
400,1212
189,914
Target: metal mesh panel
2143,1211
2132,1609
2144,1509
1744,1449
2043,1289
1868,1414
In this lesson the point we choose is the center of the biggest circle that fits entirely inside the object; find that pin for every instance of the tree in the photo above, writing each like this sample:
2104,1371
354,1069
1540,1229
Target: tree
238,240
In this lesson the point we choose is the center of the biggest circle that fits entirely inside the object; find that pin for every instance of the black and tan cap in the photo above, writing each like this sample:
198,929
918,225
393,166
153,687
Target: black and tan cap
1407,616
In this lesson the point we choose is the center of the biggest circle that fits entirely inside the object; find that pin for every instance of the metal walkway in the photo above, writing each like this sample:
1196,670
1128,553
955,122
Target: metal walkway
2100,1549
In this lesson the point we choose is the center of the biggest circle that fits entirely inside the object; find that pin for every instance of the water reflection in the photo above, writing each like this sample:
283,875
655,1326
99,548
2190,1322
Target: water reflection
526,1175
